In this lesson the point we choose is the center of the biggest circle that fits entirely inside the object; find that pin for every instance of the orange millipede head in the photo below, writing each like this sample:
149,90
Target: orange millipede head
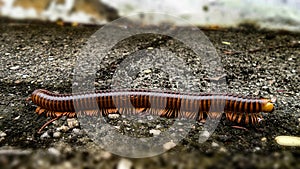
268,106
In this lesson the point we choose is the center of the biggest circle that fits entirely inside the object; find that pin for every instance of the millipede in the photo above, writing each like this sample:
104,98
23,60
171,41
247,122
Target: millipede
169,104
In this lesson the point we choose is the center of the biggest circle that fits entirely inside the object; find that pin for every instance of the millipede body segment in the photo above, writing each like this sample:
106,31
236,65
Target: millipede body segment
161,103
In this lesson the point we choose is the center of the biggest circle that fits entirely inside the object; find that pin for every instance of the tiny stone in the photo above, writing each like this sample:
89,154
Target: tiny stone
169,145
150,48
106,155
147,71
256,148
214,144
150,118
72,122
288,140
205,134
113,116
50,59
158,126
45,135
76,131
180,124
66,164
63,128
264,139
96,84
53,151
25,76
140,121
56,134
222,149
2,134
18,81
124,164
226,43
14,67
155,132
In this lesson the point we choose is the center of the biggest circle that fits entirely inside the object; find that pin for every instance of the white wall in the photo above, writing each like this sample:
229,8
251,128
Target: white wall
282,14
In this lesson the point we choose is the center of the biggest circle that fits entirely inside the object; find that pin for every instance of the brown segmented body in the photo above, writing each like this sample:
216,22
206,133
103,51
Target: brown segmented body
162,103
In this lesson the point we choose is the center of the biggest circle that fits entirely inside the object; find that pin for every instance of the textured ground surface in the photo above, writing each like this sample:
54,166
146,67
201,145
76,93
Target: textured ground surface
256,62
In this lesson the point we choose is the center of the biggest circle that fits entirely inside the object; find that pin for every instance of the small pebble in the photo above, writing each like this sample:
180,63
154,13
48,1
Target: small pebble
2,134
63,128
147,71
288,140
66,164
106,155
214,144
53,151
25,76
150,118
76,131
256,149
222,149
14,67
158,126
205,134
180,124
18,81
124,164
140,121
45,135
150,48
226,43
17,118
264,139
50,59
113,116
56,134
169,145
72,122
155,132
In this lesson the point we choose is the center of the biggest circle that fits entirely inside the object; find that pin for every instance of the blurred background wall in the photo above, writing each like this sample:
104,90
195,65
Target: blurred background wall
275,14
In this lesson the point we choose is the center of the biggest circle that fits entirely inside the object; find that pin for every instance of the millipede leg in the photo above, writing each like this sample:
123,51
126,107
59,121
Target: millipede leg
47,123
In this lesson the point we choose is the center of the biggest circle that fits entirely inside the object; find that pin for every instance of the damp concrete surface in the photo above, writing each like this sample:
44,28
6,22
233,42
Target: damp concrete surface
251,61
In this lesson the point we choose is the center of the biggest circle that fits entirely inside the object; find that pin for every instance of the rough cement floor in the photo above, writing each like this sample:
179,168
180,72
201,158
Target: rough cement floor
43,55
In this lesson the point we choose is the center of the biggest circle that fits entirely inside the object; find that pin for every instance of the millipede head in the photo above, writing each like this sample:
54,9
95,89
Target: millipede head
268,106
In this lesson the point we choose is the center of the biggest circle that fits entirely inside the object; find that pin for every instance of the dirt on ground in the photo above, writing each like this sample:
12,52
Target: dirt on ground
263,63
